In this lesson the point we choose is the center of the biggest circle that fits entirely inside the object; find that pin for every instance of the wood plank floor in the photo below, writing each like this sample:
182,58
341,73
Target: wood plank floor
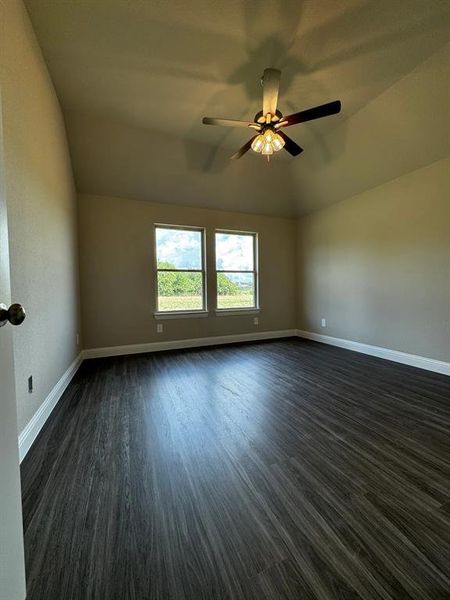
280,470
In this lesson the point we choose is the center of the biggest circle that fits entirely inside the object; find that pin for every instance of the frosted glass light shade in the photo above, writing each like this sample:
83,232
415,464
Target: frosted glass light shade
277,142
258,143
267,142
267,149
268,136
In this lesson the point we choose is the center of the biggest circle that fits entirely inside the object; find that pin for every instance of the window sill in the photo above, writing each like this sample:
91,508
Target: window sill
186,314
223,312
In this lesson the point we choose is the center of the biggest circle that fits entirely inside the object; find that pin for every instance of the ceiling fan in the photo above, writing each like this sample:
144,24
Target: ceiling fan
269,121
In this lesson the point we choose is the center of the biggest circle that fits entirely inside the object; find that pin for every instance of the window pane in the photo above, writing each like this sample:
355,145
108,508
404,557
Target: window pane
234,252
178,248
180,290
235,290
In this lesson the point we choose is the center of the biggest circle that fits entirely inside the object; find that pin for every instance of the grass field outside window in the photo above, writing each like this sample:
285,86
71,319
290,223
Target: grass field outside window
169,303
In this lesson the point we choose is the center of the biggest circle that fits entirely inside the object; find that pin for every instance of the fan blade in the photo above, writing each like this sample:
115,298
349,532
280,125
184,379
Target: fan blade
324,110
245,148
225,122
290,145
271,86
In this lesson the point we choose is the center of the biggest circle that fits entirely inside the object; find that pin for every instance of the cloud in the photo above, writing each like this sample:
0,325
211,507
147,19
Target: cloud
182,248
234,252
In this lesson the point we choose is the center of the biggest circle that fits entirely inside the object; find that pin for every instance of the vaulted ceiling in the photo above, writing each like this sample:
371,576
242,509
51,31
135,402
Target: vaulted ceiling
135,78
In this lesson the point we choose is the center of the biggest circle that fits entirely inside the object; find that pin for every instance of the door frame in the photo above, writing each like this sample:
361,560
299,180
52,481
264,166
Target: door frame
12,560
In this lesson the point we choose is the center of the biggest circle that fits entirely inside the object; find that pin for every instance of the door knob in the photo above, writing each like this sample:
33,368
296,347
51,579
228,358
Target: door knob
15,314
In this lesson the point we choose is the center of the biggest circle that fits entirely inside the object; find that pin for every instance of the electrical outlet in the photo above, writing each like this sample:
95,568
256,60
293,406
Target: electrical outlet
78,339
255,320
324,322
159,328
30,384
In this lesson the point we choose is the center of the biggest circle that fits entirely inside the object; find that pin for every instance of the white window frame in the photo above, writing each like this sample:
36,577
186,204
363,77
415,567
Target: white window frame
244,309
175,314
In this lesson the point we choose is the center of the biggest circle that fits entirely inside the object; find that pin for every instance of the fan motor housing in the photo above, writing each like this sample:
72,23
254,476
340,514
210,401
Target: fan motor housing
260,118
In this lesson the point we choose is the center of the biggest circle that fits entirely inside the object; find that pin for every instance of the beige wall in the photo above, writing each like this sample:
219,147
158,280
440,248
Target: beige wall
117,282
377,265
42,214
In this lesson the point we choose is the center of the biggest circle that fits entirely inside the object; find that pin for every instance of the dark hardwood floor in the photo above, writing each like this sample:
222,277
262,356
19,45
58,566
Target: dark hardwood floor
280,470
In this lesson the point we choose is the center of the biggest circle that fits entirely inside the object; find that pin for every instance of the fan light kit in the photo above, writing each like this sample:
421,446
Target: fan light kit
269,121
267,143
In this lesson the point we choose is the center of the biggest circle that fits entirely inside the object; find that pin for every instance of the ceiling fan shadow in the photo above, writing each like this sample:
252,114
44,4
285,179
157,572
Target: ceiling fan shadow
335,42
317,146
204,158
271,52
214,157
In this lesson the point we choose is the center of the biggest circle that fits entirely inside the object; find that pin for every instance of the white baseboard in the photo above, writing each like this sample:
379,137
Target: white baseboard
32,429
190,343
422,362
29,434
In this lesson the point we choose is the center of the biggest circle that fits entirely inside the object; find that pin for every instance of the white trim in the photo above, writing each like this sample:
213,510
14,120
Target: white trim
203,270
34,426
182,314
32,429
254,271
421,362
222,312
189,343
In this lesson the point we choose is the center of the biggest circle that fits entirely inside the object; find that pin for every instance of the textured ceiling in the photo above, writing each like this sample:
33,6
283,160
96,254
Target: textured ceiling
156,67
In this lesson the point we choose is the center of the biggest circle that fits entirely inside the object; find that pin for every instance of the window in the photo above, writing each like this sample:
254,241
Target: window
237,279
180,269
